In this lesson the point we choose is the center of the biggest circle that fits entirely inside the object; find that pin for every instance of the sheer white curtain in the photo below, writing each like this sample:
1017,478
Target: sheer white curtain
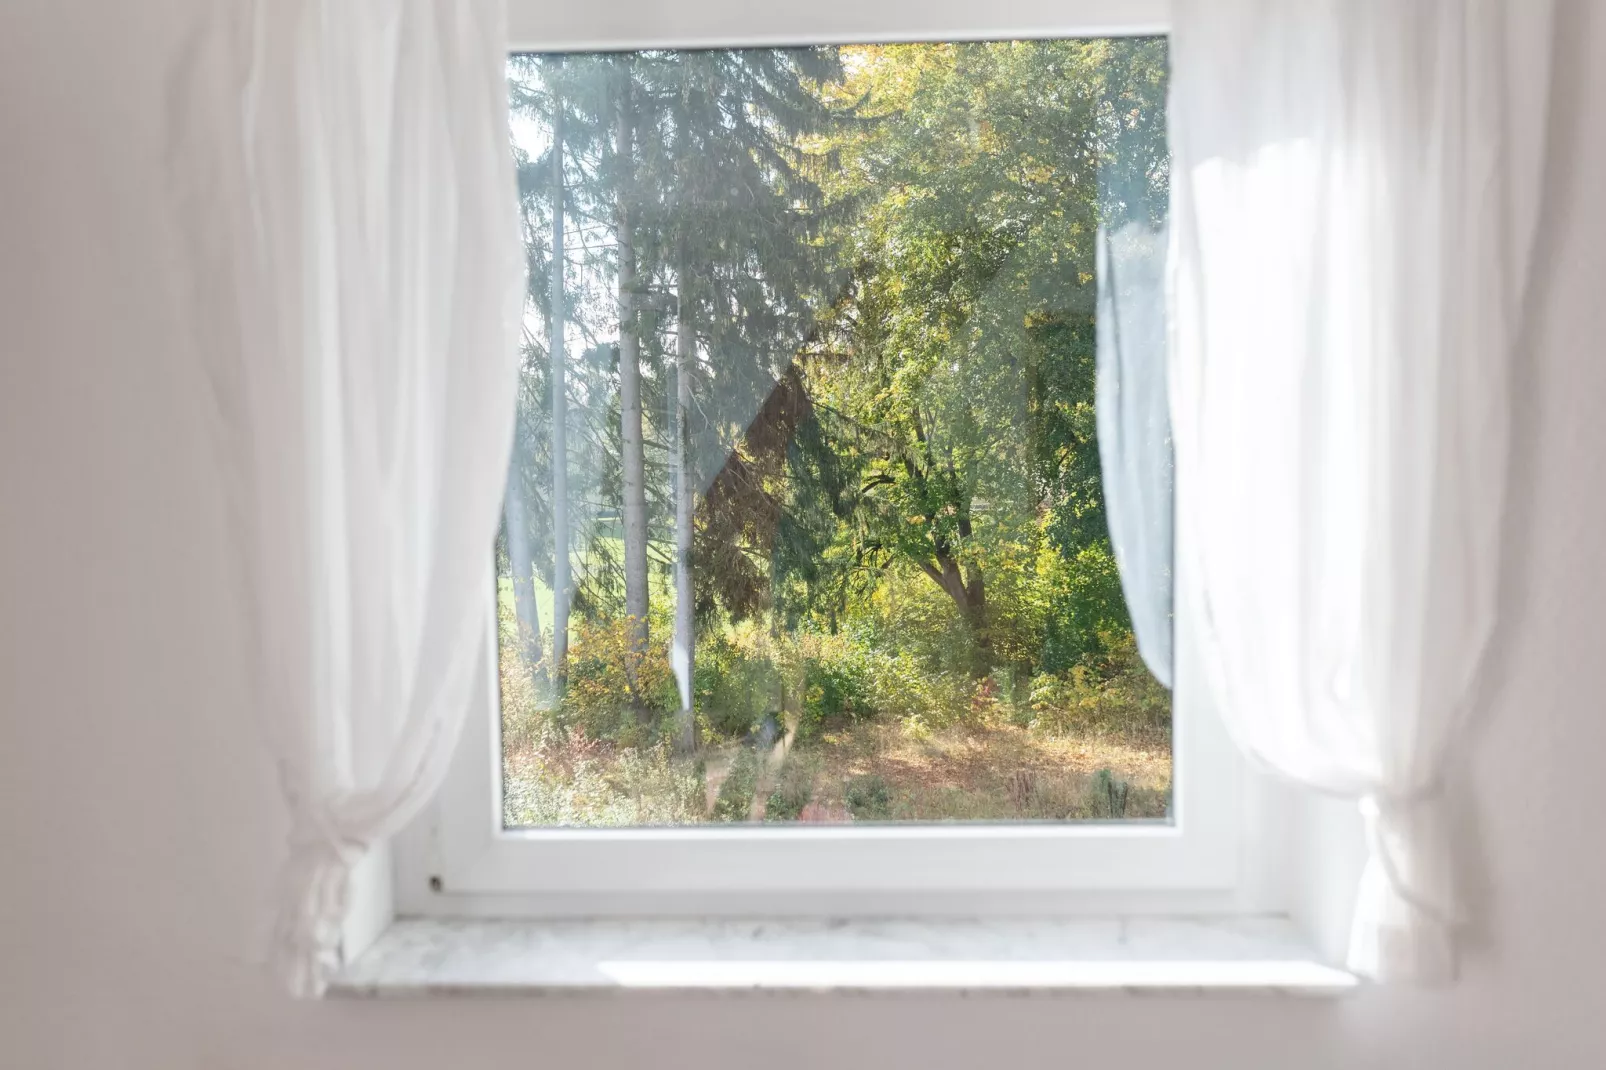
380,282
1354,192
1134,429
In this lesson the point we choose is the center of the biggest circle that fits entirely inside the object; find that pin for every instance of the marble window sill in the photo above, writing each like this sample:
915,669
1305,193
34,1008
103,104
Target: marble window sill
438,957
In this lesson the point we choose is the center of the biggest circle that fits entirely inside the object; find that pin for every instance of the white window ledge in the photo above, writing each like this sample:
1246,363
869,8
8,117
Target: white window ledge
435,957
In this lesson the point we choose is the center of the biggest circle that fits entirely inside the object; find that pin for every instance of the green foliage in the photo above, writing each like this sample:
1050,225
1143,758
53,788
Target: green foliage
604,697
735,799
848,679
1107,795
1116,694
883,261
836,685
736,682
869,799
1085,608
965,407
524,712
794,788
571,779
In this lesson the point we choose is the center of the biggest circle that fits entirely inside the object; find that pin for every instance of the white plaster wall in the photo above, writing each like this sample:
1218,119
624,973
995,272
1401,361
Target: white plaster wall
140,825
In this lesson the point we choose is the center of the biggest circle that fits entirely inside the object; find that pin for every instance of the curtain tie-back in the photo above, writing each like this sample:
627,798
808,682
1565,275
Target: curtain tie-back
1406,900
307,934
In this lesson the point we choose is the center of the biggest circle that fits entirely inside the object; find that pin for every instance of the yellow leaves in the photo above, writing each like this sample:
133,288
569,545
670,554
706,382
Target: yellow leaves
915,729
1037,174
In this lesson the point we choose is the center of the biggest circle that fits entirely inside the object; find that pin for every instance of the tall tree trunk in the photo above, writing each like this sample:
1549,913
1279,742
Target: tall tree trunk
517,519
561,582
970,598
632,462
981,627
685,625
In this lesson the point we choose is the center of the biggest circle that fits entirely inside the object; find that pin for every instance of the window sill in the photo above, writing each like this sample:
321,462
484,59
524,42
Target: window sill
435,957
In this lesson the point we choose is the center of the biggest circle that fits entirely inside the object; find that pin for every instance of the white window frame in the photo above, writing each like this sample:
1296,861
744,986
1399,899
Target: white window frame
456,859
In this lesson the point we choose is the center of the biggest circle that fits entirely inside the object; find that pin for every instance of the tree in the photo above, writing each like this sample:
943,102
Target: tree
967,396
740,235
632,458
842,332
684,655
561,581
523,513
516,528
565,98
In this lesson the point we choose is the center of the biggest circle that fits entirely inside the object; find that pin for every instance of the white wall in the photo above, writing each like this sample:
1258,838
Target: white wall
140,824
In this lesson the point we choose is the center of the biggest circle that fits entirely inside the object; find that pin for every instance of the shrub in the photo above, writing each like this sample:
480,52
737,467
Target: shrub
1107,796
735,799
525,707
916,728
794,788
523,715
574,780
835,686
601,697
902,687
1085,608
1116,693
907,612
847,679
868,798
737,684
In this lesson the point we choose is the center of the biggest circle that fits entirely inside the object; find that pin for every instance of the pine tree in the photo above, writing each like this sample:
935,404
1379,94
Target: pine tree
561,581
524,522
685,638
516,521
632,458
554,463
696,162
741,229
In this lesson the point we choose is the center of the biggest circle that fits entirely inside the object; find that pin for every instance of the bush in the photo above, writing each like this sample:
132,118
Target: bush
737,683
909,614
1114,694
524,716
868,798
601,698
1085,608
836,685
847,679
794,788
574,780
1107,796
526,712
735,800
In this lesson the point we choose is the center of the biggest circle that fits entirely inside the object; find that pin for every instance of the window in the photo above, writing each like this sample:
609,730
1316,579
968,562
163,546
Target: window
805,520
804,586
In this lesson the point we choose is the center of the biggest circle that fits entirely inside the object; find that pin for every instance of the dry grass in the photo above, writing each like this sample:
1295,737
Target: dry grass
993,772
866,772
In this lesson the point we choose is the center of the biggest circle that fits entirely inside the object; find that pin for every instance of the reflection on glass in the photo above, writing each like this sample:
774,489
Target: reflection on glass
805,520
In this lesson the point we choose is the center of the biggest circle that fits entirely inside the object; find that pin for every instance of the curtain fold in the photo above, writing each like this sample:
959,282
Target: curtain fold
370,396
1132,408
1354,194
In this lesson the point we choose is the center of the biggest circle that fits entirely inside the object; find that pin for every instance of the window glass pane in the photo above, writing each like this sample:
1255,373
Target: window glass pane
805,520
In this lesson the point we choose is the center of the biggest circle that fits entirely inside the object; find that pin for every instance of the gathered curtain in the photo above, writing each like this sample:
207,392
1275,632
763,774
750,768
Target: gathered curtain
370,396
1354,193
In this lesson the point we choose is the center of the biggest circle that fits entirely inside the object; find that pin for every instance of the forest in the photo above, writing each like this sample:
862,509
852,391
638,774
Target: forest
805,521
